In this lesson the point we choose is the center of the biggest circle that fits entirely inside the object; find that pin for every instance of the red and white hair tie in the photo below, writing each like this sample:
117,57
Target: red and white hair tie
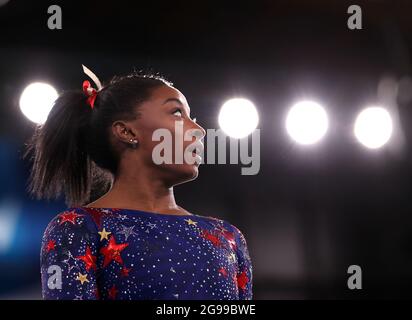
88,89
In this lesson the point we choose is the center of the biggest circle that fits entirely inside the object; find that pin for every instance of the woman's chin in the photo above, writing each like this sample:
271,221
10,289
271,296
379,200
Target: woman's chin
192,170
180,173
187,172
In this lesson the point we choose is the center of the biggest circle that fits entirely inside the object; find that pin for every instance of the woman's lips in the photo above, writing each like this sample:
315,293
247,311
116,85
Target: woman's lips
196,153
198,158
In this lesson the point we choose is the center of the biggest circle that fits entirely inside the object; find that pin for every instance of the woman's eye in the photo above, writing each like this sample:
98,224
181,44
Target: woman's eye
178,110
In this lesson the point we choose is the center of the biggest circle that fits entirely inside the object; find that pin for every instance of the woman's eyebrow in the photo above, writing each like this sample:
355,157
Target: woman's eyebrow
175,100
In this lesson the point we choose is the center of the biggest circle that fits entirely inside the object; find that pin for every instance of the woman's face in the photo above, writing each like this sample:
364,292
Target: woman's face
167,109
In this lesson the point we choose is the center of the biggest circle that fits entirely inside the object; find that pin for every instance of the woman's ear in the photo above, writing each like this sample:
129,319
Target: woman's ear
125,133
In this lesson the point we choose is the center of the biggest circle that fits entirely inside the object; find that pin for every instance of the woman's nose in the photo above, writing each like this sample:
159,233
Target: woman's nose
200,132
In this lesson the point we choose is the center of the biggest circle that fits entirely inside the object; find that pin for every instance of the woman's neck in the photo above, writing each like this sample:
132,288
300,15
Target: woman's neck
140,194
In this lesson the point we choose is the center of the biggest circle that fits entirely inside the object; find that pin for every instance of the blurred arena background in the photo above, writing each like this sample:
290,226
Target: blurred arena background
310,212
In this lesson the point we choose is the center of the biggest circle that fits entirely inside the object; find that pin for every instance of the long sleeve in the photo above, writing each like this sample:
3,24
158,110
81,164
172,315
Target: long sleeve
68,258
245,268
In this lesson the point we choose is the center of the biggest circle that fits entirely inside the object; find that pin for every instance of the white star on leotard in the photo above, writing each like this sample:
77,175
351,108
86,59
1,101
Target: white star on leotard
127,231
151,225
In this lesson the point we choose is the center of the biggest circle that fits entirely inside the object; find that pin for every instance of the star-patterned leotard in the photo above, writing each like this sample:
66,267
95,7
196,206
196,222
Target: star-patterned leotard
113,253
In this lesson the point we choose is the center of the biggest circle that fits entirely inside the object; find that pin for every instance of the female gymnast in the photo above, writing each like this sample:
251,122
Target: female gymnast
134,242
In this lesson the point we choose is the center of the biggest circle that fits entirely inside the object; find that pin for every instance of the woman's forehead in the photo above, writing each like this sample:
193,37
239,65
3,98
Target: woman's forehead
159,99
165,92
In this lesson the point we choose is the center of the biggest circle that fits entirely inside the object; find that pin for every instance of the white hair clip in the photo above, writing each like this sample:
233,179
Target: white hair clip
93,77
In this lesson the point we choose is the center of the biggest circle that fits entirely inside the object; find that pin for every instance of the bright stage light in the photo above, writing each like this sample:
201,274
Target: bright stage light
373,127
238,117
307,122
37,100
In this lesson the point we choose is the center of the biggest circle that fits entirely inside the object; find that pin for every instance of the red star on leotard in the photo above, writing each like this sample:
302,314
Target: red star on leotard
88,259
125,272
69,217
51,245
97,215
229,236
211,237
113,292
223,271
112,252
242,280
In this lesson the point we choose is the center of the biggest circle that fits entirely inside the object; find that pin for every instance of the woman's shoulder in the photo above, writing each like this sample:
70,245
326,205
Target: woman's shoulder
226,224
73,218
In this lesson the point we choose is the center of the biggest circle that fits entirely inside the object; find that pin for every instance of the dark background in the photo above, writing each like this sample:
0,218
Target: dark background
310,213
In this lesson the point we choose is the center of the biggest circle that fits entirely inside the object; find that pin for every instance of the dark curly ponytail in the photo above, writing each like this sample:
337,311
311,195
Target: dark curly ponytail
71,152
